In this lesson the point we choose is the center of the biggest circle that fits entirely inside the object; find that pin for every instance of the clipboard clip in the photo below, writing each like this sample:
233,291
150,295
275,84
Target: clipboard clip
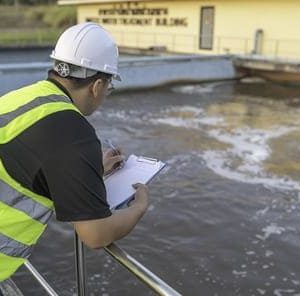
147,160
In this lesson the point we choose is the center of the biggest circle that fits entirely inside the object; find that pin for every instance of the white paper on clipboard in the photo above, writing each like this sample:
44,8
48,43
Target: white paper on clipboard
136,169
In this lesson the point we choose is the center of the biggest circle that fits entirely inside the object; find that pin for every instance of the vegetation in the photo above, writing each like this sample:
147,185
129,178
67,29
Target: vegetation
26,2
33,25
33,37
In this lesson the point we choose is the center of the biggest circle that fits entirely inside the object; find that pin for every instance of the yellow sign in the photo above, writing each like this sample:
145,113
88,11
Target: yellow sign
139,16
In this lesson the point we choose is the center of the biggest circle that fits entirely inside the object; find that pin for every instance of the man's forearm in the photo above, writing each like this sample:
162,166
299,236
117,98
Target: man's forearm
102,232
125,219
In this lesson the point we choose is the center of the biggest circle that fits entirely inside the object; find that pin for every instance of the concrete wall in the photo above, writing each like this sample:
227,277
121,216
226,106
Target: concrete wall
235,24
155,71
136,72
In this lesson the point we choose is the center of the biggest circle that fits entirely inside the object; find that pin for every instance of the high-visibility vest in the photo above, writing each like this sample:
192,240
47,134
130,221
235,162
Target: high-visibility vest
23,213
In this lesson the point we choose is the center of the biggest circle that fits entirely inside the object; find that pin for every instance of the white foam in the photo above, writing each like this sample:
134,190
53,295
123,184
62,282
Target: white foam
271,229
179,159
263,211
186,117
249,148
243,161
196,88
266,266
239,273
220,163
269,253
281,292
295,282
250,253
261,291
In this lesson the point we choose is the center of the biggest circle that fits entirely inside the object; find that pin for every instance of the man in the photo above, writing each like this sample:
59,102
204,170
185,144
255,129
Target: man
50,157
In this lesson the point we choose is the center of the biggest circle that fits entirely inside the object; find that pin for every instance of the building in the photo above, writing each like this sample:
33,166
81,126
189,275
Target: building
264,27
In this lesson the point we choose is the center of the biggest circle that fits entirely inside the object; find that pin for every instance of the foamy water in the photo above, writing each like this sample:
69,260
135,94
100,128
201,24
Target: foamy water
197,88
185,117
249,147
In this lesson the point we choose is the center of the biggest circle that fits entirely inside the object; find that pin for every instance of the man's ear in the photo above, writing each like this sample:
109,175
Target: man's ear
95,87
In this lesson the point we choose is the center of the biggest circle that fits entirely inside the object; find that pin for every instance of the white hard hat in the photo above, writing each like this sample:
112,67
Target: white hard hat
89,47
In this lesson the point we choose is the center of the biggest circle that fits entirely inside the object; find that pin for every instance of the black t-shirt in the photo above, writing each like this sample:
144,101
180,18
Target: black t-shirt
60,157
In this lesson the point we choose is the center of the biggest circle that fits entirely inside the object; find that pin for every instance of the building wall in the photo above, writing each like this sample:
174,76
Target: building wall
176,25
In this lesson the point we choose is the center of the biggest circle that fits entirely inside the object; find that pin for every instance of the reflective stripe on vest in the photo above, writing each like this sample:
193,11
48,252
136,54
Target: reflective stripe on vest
23,213
14,248
21,202
7,117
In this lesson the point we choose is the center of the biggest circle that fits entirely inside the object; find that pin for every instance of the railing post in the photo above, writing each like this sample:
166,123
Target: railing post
218,45
79,266
137,39
276,48
122,35
39,37
246,46
195,43
173,41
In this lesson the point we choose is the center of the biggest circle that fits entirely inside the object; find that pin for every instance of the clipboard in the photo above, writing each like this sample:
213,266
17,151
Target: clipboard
137,169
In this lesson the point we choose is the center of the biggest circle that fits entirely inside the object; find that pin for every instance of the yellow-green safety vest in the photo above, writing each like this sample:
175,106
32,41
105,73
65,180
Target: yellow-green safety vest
23,213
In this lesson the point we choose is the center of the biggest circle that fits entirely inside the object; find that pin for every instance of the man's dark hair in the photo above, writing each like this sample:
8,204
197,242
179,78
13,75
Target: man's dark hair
78,83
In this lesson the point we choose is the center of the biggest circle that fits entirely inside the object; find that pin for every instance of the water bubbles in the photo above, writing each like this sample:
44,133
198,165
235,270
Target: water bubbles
184,117
261,291
282,292
263,211
196,88
265,266
270,229
239,273
269,253
250,253
296,282
151,207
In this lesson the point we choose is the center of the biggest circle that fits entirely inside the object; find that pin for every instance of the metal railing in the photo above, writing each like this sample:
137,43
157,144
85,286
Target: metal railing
189,43
155,283
181,43
145,275
40,279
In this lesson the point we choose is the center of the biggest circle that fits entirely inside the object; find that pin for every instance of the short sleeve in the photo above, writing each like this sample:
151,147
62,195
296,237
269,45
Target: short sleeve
73,172
75,184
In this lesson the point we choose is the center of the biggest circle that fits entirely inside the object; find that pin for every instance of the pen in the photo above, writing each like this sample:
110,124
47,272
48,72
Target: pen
115,150
112,146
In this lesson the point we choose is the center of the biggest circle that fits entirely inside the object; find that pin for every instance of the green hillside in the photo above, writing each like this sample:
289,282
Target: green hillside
33,25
